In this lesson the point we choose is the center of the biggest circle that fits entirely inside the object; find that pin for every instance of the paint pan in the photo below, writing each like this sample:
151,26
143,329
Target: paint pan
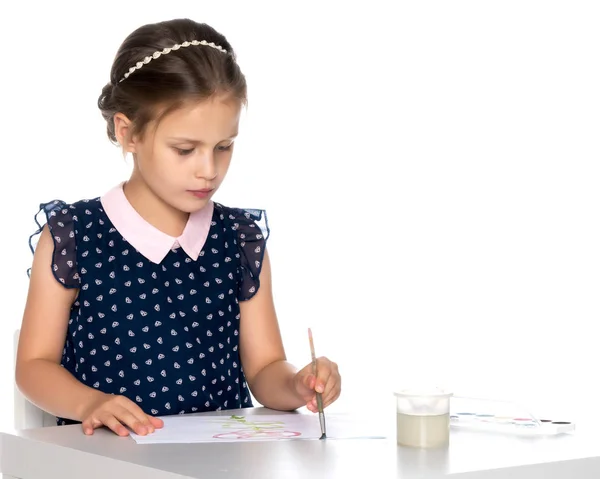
473,414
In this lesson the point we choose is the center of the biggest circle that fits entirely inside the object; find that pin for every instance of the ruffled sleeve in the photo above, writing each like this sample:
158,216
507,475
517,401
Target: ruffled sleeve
251,231
61,221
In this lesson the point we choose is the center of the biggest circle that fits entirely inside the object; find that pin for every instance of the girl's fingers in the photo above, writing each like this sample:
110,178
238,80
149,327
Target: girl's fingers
332,390
132,415
90,424
333,396
111,422
87,427
156,422
324,370
118,413
312,406
138,423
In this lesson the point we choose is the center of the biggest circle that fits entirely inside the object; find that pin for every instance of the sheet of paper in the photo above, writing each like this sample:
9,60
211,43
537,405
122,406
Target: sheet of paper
291,426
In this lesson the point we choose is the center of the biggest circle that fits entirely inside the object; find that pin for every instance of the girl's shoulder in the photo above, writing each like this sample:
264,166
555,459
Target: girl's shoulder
245,220
250,229
62,220
51,212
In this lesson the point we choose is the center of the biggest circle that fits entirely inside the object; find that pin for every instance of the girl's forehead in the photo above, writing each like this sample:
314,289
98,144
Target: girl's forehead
218,116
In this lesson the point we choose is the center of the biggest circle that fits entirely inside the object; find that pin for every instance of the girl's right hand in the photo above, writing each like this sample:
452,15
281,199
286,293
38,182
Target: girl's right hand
116,412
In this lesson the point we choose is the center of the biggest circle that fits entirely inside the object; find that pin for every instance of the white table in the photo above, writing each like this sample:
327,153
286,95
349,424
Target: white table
64,452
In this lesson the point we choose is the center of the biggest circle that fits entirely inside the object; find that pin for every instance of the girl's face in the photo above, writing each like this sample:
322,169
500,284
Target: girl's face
186,158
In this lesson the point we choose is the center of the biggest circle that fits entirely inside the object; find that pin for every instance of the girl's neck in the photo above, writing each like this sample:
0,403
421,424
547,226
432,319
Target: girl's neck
152,209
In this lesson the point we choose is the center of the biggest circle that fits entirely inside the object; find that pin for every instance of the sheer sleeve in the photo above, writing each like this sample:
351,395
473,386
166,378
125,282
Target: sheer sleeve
61,221
251,231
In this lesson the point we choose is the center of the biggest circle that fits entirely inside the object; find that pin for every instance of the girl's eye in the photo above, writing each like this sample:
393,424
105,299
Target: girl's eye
184,152
225,148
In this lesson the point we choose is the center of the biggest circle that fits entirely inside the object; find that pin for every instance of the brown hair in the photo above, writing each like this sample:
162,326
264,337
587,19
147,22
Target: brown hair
196,72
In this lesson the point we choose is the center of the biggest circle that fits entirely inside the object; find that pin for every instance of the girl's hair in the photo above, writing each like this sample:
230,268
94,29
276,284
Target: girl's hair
164,82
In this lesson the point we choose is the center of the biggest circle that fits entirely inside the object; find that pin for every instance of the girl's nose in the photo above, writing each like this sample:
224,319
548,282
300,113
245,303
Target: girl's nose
205,166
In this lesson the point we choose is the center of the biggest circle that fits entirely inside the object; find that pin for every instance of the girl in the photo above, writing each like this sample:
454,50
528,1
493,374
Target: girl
152,299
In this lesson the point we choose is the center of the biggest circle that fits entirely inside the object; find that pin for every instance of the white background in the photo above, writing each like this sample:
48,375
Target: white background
429,169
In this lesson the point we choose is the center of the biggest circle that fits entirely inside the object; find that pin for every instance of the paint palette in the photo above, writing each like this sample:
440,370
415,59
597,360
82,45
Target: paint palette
502,417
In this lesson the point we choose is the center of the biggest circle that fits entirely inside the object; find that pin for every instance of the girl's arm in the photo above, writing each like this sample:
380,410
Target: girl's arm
39,374
269,375
274,382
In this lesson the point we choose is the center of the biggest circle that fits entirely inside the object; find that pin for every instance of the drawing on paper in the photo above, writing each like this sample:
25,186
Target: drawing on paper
253,428
244,429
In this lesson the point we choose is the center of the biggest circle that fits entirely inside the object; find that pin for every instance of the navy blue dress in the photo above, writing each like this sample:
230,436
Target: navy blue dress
164,335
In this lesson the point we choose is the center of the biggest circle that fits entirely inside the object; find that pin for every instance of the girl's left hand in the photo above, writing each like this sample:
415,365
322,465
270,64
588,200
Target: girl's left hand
328,382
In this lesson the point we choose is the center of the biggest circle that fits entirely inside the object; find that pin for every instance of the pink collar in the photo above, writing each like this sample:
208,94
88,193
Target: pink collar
148,240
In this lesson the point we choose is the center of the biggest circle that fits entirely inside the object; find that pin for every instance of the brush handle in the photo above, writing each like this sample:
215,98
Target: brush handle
319,397
321,414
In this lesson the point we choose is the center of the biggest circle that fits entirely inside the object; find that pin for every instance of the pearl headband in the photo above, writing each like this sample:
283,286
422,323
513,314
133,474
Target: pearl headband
165,51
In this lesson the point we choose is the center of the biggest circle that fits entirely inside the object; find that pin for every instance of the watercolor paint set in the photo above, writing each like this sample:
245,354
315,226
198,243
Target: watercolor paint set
503,417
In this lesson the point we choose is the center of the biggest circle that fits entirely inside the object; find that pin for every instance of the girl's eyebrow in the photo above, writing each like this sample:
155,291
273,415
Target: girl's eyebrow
189,140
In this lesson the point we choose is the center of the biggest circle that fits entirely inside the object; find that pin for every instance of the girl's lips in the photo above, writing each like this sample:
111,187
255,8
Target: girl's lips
201,193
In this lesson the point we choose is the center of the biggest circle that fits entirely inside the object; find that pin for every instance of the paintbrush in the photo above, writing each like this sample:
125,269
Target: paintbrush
319,397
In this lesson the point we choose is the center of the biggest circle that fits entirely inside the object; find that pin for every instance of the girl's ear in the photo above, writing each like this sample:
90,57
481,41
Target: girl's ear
123,133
